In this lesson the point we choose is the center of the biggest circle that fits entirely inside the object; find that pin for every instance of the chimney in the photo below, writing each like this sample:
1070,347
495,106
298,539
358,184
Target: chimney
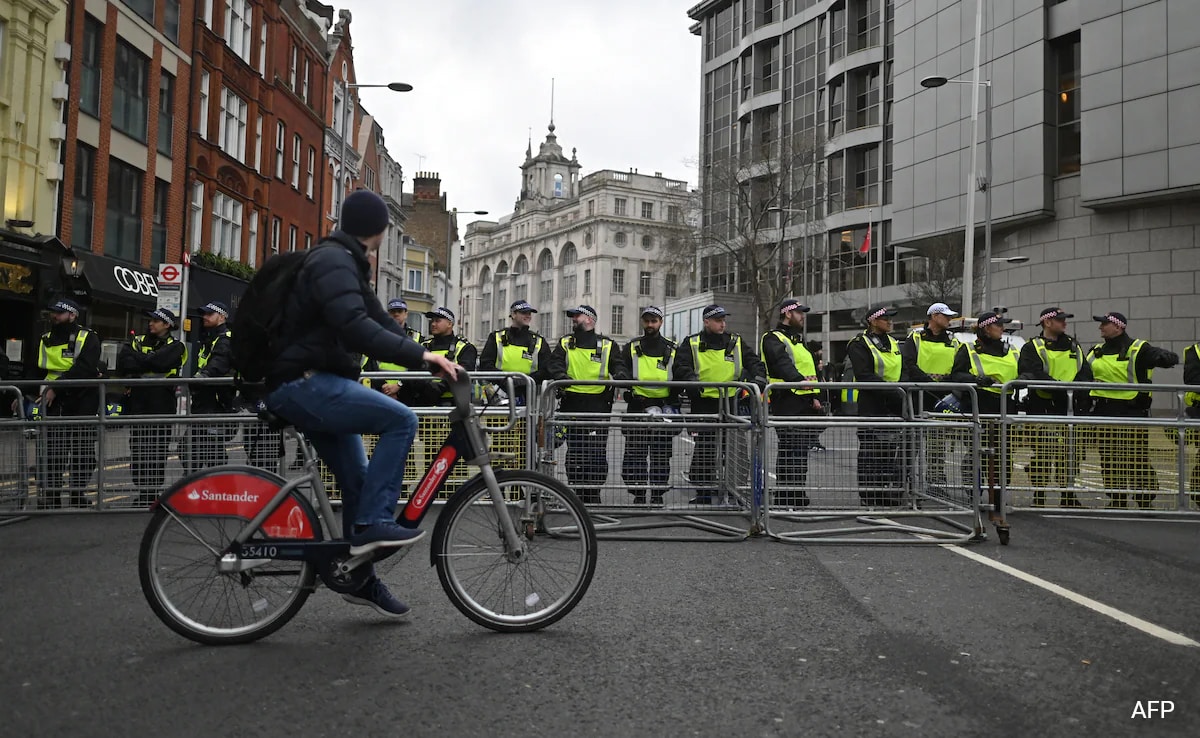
427,186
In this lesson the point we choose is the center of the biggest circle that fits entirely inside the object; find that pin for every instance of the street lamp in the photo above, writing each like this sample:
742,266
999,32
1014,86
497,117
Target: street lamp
1008,260
341,189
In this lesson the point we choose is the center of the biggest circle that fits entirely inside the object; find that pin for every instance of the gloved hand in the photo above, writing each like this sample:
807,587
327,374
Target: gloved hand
984,381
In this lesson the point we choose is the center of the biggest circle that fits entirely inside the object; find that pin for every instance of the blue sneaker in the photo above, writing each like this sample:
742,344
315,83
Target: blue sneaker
375,595
382,535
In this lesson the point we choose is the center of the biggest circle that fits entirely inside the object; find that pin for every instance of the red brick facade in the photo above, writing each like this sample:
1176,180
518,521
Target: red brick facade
428,217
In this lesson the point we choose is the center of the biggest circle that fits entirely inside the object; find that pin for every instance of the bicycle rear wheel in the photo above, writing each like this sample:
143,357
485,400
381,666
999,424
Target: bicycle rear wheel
488,585
177,565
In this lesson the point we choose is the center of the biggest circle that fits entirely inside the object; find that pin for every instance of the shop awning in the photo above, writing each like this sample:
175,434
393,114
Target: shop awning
111,280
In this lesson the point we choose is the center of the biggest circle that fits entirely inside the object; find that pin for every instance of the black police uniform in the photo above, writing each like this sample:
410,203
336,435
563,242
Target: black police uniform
150,443
878,449
647,458
794,443
489,357
71,449
215,362
1050,466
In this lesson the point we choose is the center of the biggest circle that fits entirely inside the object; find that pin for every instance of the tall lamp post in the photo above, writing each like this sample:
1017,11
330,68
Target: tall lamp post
348,112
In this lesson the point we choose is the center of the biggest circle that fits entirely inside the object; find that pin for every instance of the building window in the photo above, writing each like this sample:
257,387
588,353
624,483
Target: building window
866,99
619,206
85,193
619,238
587,281
89,75
129,92
591,207
1066,52
197,212
238,28
312,164
171,20
166,112
226,226
233,125
647,242
276,230
307,241
618,319
123,221
258,152
644,284
208,13
280,142
296,161
144,8
203,127
158,231
618,281
558,185
293,237
587,239
304,84
368,178
670,285
262,48
866,25
546,296
648,210
415,281
252,224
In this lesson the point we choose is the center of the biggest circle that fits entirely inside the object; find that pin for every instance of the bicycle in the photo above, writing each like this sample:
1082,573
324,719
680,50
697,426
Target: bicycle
257,544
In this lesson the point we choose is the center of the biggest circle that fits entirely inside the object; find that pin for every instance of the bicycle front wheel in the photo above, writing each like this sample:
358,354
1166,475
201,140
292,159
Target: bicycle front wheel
483,578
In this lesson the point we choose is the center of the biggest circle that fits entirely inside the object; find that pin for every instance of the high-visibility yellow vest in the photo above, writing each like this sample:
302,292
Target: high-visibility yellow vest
513,358
714,365
651,368
801,357
1192,399
587,363
887,363
1000,368
1118,369
453,352
141,346
58,359
934,357
1062,366
206,350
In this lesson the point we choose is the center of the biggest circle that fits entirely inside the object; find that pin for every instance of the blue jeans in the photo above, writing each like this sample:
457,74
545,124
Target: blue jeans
332,411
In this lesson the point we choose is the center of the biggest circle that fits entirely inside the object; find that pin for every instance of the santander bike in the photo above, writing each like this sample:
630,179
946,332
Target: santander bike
232,553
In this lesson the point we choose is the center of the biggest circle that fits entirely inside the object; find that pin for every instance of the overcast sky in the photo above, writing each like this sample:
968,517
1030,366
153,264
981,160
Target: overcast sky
627,87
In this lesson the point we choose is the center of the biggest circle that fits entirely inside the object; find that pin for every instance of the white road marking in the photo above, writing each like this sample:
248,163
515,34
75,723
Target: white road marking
1120,616
1192,521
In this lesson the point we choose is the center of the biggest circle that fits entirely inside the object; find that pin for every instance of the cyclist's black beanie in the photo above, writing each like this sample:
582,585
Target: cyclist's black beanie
364,214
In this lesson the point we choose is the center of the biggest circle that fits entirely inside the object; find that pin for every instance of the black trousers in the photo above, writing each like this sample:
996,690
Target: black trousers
647,460
70,452
703,467
587,445
793,444
148,447
1125,455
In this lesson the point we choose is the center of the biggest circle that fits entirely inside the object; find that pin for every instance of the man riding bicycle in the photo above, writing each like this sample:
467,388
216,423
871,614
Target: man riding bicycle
331,317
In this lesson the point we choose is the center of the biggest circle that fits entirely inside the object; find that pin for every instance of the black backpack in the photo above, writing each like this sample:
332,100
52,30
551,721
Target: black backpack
256,339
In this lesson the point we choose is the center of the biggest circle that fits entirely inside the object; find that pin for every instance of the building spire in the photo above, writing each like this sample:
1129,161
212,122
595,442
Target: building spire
529,145
552,106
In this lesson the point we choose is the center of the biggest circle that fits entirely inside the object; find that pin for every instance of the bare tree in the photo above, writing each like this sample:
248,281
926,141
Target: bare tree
943,273
755,211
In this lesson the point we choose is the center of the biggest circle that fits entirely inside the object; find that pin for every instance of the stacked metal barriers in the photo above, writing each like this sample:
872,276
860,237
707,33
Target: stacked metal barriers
913,478
1099,464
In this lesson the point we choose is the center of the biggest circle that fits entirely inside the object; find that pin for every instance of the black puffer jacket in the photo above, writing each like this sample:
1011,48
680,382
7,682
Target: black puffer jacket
333,317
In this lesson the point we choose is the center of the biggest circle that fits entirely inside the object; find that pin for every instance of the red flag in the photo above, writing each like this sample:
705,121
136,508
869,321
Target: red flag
866,245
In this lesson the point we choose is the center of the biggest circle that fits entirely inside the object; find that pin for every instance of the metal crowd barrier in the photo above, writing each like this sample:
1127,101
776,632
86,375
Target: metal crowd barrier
651,476
114,461
1102,464
858,479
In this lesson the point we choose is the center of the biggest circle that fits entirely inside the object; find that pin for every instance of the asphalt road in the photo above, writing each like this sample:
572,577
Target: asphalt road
724,639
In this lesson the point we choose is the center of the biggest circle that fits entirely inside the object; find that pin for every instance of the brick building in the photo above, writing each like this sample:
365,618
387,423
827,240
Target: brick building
125,162
340,117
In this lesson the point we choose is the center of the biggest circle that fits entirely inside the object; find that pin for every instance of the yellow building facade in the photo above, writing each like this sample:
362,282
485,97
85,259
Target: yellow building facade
33,89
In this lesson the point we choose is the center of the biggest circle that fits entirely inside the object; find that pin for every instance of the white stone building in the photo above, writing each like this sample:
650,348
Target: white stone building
597,240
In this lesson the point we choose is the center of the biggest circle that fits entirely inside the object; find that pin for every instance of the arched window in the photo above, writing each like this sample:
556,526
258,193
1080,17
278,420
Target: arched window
485,276
587,239
522,265
545,261
558,182
647,242
619,238
502,269
568,254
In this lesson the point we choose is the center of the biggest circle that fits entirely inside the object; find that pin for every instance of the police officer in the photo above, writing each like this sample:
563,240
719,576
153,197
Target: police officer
441,340
647,461
788,359
875,357
214,361
585,354
929,352
68,351
418,392
1124,451
1052,356
713,355
1191,376
517,349
989,363
398,309
155,354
